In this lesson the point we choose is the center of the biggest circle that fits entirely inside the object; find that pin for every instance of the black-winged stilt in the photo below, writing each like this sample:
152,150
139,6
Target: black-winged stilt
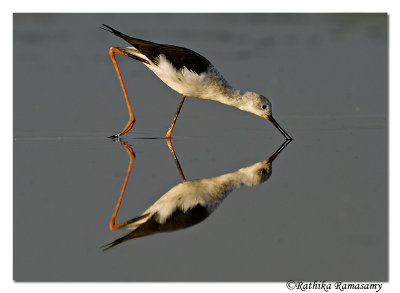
190,74
189,202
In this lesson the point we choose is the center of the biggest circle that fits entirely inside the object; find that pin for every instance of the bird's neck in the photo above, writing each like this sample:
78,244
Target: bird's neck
217,188
221,91
233,97
232,180
244,176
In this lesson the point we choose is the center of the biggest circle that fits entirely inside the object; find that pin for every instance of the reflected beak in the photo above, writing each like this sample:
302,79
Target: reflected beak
278,151
270,118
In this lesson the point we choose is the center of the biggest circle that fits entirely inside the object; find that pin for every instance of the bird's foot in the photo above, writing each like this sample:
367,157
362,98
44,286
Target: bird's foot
115,137
127,127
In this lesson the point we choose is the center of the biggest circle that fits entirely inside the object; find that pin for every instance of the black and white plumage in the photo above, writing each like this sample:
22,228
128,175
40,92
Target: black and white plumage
192,201
191,74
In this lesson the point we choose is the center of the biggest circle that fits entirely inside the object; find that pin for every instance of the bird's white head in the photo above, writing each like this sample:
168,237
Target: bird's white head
260,106
256,104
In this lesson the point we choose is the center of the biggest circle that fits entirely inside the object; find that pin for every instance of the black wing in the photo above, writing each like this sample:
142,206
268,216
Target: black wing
178,220
179,57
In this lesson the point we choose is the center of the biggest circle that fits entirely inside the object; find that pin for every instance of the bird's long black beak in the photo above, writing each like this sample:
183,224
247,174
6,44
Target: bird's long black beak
287,136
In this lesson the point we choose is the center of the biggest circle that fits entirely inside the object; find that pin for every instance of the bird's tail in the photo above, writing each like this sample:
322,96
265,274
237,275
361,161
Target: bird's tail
133,52
114,31
128,236
138,43
137,230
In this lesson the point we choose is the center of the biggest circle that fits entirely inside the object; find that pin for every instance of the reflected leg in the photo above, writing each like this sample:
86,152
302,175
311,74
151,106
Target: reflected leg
171,148
131,154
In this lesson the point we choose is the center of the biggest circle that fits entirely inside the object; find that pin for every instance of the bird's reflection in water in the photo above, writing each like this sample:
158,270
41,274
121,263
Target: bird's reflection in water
189,202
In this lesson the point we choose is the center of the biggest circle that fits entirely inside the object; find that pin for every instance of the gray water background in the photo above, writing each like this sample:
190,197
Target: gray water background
323,214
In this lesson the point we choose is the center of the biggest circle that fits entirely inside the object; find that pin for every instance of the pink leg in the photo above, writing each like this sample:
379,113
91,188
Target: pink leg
129,125
168,135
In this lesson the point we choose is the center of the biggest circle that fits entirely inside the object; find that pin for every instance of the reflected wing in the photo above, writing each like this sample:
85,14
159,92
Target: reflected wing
178,220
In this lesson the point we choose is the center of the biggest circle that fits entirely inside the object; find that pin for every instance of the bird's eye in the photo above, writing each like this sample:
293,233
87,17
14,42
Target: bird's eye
264,107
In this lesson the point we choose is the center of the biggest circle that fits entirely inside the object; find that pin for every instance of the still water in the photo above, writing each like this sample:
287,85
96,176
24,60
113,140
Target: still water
318,210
